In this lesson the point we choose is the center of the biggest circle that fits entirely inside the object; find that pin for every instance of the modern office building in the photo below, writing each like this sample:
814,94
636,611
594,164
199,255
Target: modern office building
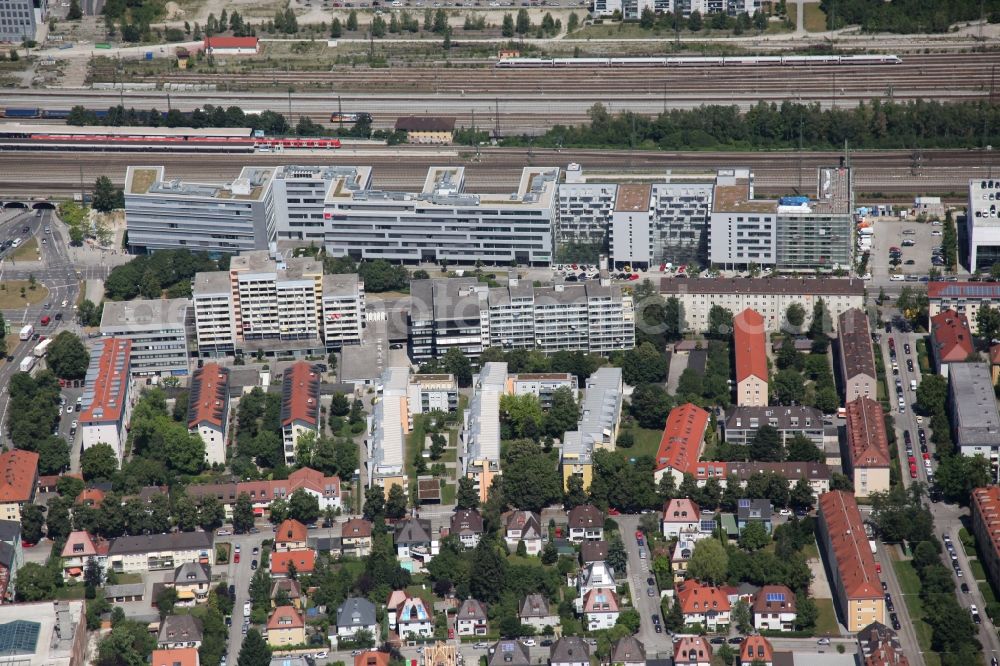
750,354
208,410
230,217
965,298
480,436
300,411
850,562
857,357
300,200
600,418
19,19
972,406
791,233
45,633
157,330
271,305
108,396
982,224
741,423
388,427
442,222
866,458
770,297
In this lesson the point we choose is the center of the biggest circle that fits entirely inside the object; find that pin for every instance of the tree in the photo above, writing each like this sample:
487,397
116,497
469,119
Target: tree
801,497
106,198
99,462
572,23
35,582
617,557
575,493
530,479
336,30
720,323
67,357
57,523
958,475
563,413
254,652
674,619
467,496
374,508
488,575
801,449
695,21
507,27
395,504
211,513
766,445
788,387
523,23
949,242
806,613
340,405
795,315
165,601
75,13
650,405
457,363
352,20
988,322
754,537
709,562
243,514
819,326
303,507
932,393
643,365
742,617
378,27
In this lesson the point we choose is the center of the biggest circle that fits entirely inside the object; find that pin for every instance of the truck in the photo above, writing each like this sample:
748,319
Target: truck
27,363
26,332
42,347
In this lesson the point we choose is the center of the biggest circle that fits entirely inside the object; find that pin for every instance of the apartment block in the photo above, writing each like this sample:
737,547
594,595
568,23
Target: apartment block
208,410
741,423
857,358
157,330
443,222
769,297
585,212
631,224
950,340
446,313
792,233
985,505
480,436
965,298
682,442
600,418
388,426
867,447
157,552
750,352
300,411
432,393
850,562
229,217
542,385
108,396
972,405
265,303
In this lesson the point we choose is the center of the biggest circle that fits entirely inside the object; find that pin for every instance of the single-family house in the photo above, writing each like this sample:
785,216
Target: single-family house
693,651
628,651
179,631
774,608
471,619
415,542
80,548
593,551
285,627
467,525
753,510
287,592
756,651
354,615
409,616
593,576
600,608
356,538
523,526
704,605
680,515
192,581
586,523
509,653
290,535
569,651
301,561
535,612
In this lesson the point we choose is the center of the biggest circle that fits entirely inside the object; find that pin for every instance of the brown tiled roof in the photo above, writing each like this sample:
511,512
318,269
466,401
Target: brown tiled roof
594,551
209,396
950,337
18,472
285,617
867,442
851,553
985,506
356,528
855,344
300,394
425,124
584,516
774,599
750,345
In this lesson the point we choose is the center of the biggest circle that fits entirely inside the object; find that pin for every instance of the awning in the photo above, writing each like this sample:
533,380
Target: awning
185,594
258,511
74,571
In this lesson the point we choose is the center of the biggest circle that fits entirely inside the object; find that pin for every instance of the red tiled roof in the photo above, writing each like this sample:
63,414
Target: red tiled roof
977,291
263,492
867,442
985,506
680,510
950,337
851,552
285,617
290,531
300,394
110,384
372,658
230,42
750,345
356,528
756,648
304,560
209,396
682,438
698,597
18,473
599,600
175,657
90,497
693,649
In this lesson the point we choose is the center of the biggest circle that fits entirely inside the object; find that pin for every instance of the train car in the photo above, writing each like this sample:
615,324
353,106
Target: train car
13,112
752,60
525,62
811,60
580,62
638,62
694,61
870,60
55,114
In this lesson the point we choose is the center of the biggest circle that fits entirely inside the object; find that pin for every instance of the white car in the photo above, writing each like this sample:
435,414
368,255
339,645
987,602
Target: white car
321,655
480,646
69,409
936,232
785,512
823,641
529,642
64,303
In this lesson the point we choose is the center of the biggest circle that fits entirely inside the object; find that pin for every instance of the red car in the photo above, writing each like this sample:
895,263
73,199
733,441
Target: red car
236,558
45,320
913,473
927,455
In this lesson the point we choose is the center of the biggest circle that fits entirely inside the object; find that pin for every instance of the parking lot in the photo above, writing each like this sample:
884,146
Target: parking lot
916,240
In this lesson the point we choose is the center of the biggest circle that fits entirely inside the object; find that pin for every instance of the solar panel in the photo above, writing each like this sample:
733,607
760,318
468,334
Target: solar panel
19,637
776,596
744,504
506,647
707,525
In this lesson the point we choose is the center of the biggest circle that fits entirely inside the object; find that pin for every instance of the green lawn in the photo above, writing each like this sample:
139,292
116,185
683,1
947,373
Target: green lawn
977,569
524,561
26,251
811,551
907,576
647,441
814,19
792,10
126,578
910,584
987,591
826,621
448,492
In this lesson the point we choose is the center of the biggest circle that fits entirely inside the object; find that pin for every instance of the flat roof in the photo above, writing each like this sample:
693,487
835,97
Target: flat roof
764,286
735,198
974,405
633,198
40,634
250,185
153,314
212,282
984,202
